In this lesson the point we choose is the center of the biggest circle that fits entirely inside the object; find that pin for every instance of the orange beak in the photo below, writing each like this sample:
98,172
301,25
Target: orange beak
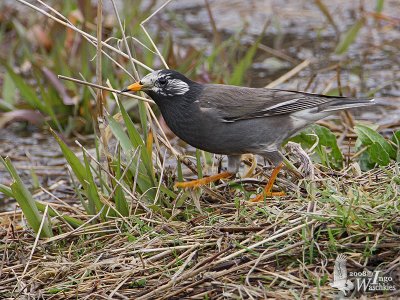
135,87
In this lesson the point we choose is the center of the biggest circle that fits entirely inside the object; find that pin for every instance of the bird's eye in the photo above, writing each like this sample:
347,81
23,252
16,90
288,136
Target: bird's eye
162,80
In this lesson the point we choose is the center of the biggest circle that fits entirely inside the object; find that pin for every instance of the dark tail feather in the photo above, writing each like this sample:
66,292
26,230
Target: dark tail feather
347,103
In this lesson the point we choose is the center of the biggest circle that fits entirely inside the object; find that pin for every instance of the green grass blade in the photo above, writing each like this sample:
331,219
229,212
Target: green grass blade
133,133
379,6
91,188
120,201
30,210
6,190
349,37
198,164
77,167
9,89
146,181
143,115
240,69
5,106
179,170
396,140
88,209
137,140
121,136
26,202
27,92
84,175
75,223
244,64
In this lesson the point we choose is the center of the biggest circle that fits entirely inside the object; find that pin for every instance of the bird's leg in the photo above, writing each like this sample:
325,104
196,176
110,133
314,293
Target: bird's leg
233,167
267,190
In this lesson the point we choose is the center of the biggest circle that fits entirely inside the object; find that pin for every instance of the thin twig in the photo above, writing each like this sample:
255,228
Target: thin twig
289,74
82,33
104,88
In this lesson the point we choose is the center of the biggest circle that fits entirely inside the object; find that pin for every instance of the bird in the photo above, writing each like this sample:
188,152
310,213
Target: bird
340,280
235,120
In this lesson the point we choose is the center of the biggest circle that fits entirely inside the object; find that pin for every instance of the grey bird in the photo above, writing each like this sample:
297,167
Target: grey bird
234,120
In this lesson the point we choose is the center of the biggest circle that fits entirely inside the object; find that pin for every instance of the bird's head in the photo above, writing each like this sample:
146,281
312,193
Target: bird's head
162,84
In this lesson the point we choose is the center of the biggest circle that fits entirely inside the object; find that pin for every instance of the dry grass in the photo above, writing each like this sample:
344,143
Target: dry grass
284,249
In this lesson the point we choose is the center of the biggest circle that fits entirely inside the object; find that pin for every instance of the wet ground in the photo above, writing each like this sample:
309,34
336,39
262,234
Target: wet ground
297,31
38,160
300,31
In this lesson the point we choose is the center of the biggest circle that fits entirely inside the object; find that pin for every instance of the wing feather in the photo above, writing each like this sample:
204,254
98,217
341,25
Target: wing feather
233,103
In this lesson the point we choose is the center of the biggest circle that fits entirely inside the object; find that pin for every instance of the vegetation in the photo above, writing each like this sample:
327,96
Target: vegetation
130,233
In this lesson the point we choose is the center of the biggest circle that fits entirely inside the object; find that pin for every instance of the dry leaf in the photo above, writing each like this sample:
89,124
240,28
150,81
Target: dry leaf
39,36
60,88
31,116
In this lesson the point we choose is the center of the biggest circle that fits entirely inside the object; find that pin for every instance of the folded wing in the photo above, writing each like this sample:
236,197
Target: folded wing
239,103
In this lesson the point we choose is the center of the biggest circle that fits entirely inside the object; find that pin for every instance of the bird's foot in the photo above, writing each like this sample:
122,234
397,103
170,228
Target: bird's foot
202,181
268,188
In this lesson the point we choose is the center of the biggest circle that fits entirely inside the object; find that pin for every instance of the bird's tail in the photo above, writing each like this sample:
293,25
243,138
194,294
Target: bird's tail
345,103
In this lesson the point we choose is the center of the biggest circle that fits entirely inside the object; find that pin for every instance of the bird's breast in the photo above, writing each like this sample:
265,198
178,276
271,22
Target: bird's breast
186,121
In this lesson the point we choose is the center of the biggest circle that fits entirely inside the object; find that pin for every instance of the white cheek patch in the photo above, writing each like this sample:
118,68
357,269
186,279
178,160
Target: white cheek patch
174,87
177,87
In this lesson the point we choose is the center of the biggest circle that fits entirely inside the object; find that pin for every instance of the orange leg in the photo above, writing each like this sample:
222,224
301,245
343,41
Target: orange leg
203,181
267,190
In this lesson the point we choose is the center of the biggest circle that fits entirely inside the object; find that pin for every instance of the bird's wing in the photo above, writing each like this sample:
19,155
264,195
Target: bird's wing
340,270
234,103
